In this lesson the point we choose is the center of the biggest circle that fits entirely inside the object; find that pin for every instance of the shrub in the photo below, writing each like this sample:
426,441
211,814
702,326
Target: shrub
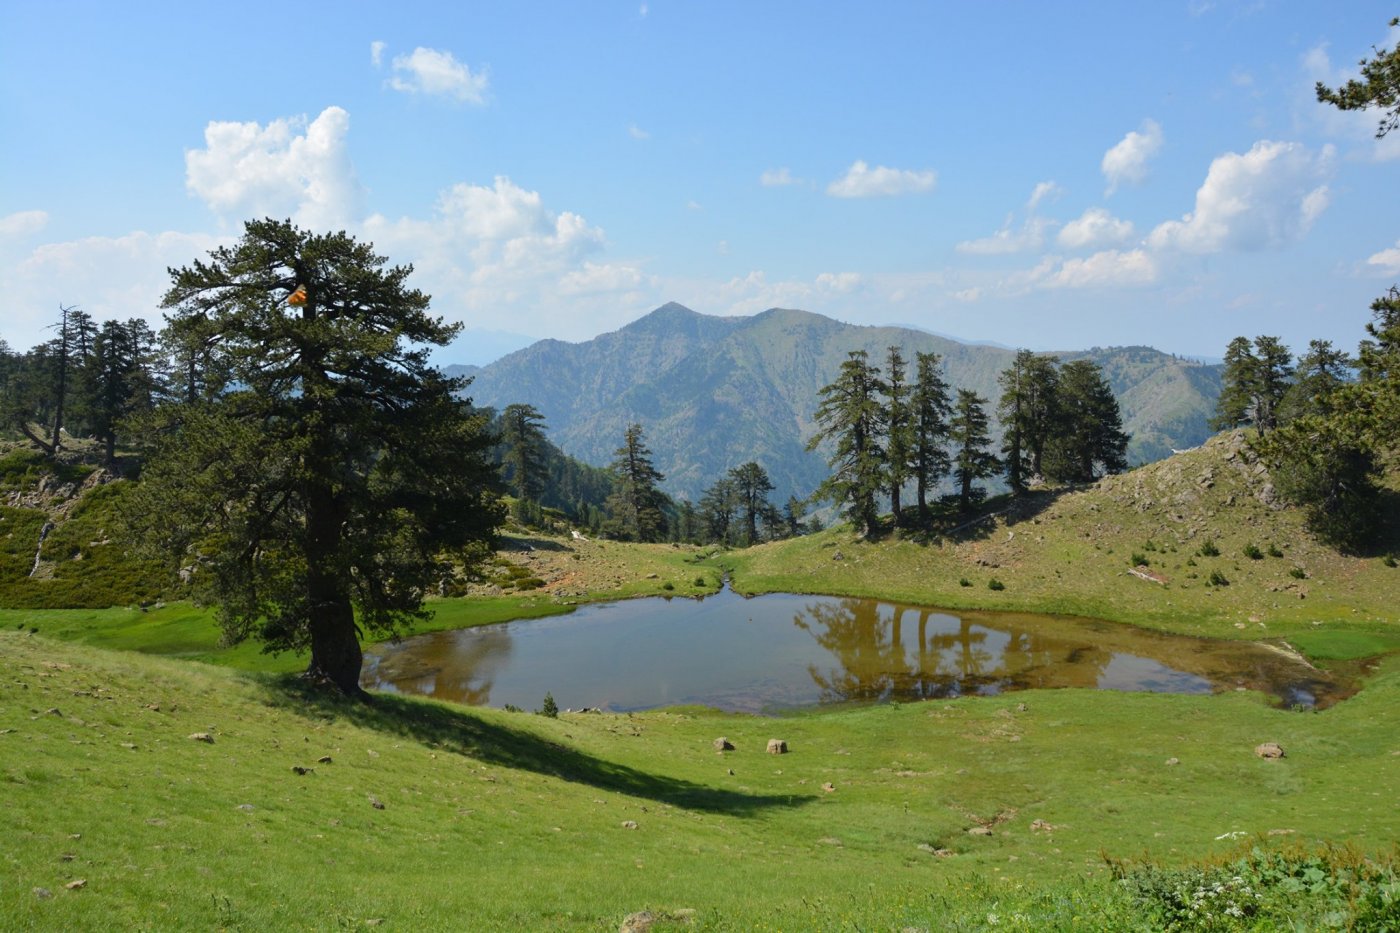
1389,560
1208,549
964,582
700,581
668,585
995,584
1253,552
1298,573
1139,560
529,583
1217,579
549,707
1274,551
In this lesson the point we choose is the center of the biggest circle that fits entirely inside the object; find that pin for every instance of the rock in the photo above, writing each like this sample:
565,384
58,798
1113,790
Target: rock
1173,761
246,807
1043,826
639,922
722,744
202,737
298,769
43,894
375,802
777,747
76,885
829,787
629,824
830,841
1270,750
980,831
837,555
324,760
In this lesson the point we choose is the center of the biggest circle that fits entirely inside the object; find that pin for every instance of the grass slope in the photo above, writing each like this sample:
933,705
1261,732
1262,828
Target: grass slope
1072,552
416,815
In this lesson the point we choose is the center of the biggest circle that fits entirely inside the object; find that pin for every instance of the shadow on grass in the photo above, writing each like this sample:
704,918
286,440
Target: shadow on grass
947,522
459,730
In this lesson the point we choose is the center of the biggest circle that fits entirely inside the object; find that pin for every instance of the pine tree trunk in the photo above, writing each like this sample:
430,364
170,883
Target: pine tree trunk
335,645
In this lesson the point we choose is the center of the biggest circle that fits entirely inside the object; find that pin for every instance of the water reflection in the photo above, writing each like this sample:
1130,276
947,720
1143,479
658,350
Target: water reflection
784,651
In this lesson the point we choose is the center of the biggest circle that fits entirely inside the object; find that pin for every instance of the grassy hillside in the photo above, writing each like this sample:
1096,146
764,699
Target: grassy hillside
300,813
1205,514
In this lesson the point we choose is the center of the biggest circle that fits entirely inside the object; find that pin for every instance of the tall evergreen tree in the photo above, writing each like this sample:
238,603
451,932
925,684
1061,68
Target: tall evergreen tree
1013,409
718,506
1238,386
522,433
899,432
323,489
635,504
751,488
118,383
1090,437
1320,371
853,420
968,432
931,408
1273,375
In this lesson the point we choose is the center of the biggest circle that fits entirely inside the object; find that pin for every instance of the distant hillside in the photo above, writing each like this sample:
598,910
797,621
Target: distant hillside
715,392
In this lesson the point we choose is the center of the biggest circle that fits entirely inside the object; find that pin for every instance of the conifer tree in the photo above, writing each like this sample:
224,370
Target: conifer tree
751,488
635,504
1238,386
522,433
972,460
1090,437
931,408
853,420
899,432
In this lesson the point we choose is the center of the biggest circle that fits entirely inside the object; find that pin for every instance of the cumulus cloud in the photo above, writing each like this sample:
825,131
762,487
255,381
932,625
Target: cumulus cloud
1094,229
1108,268
23,223
636,132
376,53
430,71
1269,196
862,181
1387,261
1126,162
288,168
776,177
968,294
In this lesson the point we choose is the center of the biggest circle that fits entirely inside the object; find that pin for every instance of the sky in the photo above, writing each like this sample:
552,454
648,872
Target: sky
1041,175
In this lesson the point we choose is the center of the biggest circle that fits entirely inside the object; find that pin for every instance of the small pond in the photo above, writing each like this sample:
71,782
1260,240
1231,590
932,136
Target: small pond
781,651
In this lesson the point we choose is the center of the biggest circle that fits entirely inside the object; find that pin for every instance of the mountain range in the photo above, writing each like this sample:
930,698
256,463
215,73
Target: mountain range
715,392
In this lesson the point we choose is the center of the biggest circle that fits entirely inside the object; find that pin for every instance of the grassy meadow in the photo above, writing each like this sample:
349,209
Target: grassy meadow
155,778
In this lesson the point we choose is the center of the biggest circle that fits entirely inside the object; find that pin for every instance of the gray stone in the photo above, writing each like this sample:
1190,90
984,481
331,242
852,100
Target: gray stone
1270,750
777,747
722,744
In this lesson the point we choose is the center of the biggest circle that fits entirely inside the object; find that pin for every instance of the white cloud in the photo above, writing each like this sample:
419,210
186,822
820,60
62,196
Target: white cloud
1108,268
23,223
108,277
862,181
636,132
1029,238
1126,162
1045,191
429,71
968,294
840,282
776,177
376,53
1387,261
592,278
1094,229
248,170
1264,198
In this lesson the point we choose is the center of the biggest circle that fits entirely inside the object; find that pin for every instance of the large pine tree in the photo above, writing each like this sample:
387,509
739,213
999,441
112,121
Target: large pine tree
635,505
852,418
319,488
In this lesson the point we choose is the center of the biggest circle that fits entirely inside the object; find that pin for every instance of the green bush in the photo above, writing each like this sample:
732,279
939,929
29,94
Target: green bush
964,582
1208,549
995,584
1253,552
1217,579
1298,573
549,707
1274,551
1139,560
1389,560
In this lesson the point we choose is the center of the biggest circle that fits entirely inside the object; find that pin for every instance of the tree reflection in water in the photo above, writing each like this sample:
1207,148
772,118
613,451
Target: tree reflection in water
461,669
951,656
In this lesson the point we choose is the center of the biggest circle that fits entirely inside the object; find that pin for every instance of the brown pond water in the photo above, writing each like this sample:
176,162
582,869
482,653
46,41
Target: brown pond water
784,651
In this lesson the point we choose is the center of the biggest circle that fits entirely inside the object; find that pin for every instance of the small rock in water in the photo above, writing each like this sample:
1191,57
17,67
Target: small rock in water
777,747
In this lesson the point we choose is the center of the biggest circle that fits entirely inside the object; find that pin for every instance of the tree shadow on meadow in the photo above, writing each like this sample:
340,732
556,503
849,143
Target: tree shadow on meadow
947,523
459,730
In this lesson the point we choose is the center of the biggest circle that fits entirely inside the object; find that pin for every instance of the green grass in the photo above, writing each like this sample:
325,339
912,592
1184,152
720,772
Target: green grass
494,820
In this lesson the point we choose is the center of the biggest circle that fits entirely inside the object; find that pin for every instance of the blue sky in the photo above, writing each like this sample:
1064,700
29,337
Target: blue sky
1053,176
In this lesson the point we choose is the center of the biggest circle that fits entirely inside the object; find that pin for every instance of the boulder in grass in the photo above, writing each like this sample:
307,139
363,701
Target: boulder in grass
722,744
777,747
1269,750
